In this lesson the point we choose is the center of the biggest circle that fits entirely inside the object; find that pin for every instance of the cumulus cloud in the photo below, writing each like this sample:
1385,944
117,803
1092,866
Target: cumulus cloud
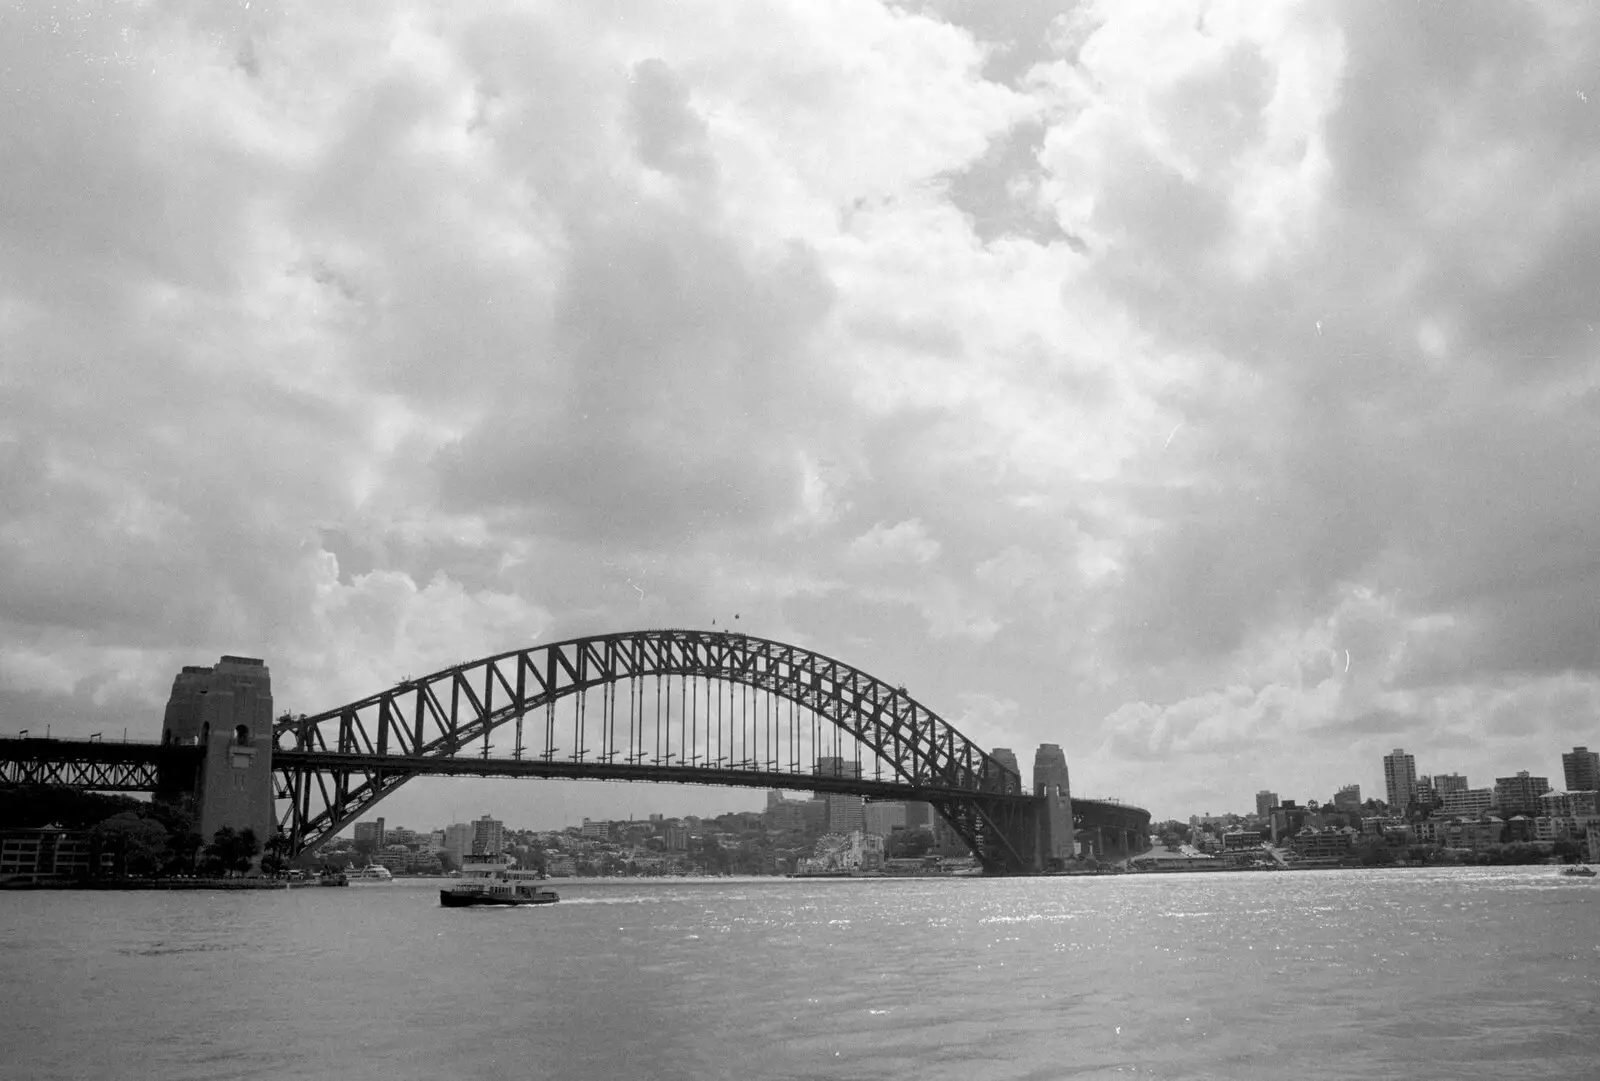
1127,368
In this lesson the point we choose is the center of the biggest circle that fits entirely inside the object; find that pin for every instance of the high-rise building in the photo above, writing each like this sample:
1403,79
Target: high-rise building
1399,778
1582,769
783,815
1423,795
1265,802
1468,802
918,814
1519,795
372,832
488,837
1446,783
845,813
458,840
1348,798
883,817
837,767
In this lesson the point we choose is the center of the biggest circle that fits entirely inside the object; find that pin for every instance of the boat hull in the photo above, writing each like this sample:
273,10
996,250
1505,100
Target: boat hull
452,899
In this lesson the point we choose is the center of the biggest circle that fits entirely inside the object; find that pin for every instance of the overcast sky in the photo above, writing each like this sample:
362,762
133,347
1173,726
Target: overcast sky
1210,389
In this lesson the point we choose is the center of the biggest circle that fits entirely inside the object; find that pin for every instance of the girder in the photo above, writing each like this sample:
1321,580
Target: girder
94,766
333,766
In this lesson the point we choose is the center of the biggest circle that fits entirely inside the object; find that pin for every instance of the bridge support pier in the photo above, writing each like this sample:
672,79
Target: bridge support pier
226,712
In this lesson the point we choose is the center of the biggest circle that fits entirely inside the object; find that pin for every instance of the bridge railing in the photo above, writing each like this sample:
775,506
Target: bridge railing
27,735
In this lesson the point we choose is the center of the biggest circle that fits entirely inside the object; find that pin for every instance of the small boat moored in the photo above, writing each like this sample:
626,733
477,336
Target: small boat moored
1579,870
495,880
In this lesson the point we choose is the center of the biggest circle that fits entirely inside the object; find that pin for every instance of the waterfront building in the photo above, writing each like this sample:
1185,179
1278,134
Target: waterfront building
373,833
394,858
1265,802
1237,838
845,813
1468,802
783,815
488,836
1594,845
1568,804
458,840
1473,833
1328,843
918,814
882,818
1581,767
1348,798
815,814
1399,778
1519,794
1286,819
52,852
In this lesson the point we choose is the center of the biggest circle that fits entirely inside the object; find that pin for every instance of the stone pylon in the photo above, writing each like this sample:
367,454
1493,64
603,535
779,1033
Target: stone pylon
1052,784
227,711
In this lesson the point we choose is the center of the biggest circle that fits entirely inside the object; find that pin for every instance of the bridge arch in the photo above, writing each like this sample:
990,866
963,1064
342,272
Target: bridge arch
332,767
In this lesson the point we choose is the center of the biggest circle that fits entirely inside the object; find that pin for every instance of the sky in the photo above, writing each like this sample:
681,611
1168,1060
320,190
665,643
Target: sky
1211,389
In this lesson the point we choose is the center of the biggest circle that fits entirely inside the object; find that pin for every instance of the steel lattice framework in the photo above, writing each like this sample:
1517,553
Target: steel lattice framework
95,766
785,707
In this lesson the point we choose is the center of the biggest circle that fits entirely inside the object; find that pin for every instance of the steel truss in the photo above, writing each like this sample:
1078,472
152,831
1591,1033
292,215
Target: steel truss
99,767
331,768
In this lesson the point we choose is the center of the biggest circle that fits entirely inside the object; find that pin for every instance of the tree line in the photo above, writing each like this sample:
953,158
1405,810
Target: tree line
148,838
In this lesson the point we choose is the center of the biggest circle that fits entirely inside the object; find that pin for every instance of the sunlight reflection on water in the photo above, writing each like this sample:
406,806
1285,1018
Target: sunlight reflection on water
1309,975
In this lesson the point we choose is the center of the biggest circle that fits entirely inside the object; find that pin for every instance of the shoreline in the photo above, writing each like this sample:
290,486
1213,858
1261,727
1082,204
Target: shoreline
118,884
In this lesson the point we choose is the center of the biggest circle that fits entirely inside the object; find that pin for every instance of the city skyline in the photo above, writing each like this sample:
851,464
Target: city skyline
1204,389
709,803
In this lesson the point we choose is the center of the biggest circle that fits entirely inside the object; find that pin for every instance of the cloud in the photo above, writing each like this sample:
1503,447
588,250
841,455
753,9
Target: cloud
1126,366
904,542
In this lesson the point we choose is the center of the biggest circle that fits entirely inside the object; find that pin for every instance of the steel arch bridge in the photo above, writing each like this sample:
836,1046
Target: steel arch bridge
680,706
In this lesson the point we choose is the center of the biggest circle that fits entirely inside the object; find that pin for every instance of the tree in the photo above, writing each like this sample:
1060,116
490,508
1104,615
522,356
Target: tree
275,854
182,848
231,851
1374,852
141,842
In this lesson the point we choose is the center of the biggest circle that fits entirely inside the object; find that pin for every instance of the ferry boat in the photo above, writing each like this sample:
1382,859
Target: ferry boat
495,880
371,873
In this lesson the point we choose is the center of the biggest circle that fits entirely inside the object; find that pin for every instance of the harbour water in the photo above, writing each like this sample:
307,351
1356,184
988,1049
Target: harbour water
1459,973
